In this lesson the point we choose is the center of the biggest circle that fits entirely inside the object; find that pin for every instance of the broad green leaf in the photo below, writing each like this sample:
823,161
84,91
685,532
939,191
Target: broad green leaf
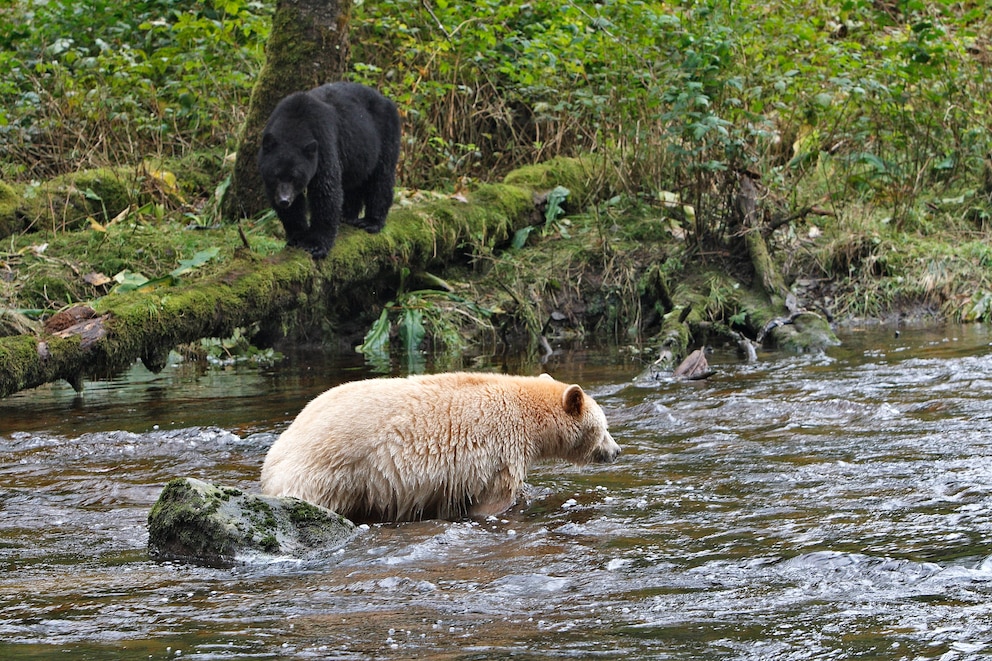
128,281
520,237
156,283
556,198
376,343
412,330
198,260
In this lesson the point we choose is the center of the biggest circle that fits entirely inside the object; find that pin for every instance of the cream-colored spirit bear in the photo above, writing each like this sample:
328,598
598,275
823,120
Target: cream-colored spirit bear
442,446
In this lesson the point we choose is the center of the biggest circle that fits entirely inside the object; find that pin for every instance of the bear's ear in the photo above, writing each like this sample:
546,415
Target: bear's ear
546,376
310,149
573,399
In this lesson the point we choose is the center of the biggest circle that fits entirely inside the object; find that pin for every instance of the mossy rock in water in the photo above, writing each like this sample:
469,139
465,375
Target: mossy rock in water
808,333
219,526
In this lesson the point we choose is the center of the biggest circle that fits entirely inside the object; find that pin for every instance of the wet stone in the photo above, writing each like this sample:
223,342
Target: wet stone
209,524
808,332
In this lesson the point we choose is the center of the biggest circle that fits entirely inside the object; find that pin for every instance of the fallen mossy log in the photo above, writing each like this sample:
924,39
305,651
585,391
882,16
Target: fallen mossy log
147,325
74,200
254,289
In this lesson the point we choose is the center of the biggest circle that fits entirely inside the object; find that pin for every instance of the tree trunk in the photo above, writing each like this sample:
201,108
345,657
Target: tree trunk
308,47
766,274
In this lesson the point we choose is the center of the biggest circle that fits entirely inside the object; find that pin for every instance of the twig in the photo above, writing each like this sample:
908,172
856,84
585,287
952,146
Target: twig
779,221
244,239
430,10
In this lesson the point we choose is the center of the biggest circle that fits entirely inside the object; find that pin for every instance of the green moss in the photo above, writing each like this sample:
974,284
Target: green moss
510,201
67,201
19,354
10,219
27,362
758,310
50,290
675,332
179,523
766,271
261,514
55,277
578,175
808,332
314,523
304,512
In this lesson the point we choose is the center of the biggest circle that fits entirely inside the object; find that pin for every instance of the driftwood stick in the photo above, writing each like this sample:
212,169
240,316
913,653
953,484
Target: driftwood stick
785,219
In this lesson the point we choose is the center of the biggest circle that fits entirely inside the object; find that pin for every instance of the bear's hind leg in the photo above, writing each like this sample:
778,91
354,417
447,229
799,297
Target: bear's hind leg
350,208
378,197
492,507
499,496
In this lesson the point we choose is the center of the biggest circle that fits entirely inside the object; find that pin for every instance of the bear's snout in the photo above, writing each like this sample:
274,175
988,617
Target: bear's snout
608,452
285,195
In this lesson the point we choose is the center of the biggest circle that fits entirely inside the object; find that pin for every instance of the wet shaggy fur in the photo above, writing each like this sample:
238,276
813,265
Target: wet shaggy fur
441,446
326,154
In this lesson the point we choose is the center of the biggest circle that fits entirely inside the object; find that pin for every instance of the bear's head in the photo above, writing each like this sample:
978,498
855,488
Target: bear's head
286,166
592,441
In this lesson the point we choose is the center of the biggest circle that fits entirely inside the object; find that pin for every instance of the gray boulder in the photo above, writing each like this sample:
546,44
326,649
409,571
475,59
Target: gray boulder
220,526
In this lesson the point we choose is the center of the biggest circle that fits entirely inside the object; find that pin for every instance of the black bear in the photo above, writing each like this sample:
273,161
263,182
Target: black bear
332,149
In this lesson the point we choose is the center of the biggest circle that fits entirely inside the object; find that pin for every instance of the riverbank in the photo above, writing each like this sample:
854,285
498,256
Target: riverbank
550,254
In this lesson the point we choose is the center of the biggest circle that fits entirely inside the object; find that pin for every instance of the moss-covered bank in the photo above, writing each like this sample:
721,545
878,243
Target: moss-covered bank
495,260
278,292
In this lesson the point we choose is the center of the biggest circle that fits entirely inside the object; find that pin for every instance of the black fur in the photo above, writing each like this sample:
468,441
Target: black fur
325,155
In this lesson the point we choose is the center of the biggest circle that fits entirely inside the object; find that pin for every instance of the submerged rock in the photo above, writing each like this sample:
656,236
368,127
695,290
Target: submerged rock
807,332
215,525
695,367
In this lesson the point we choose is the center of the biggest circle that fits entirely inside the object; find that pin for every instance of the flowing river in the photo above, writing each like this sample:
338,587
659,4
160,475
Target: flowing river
835,506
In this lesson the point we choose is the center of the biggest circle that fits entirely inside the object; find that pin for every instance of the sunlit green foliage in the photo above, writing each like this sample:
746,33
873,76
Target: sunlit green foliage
679,95
684,94
875,113
101,81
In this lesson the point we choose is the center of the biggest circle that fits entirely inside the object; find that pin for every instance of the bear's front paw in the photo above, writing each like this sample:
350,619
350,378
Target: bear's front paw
317,249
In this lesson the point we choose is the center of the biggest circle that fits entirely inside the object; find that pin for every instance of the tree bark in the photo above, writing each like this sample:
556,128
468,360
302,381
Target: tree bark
767,275
308,47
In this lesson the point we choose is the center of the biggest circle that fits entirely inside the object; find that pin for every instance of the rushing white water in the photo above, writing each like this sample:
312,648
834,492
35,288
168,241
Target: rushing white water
816,507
